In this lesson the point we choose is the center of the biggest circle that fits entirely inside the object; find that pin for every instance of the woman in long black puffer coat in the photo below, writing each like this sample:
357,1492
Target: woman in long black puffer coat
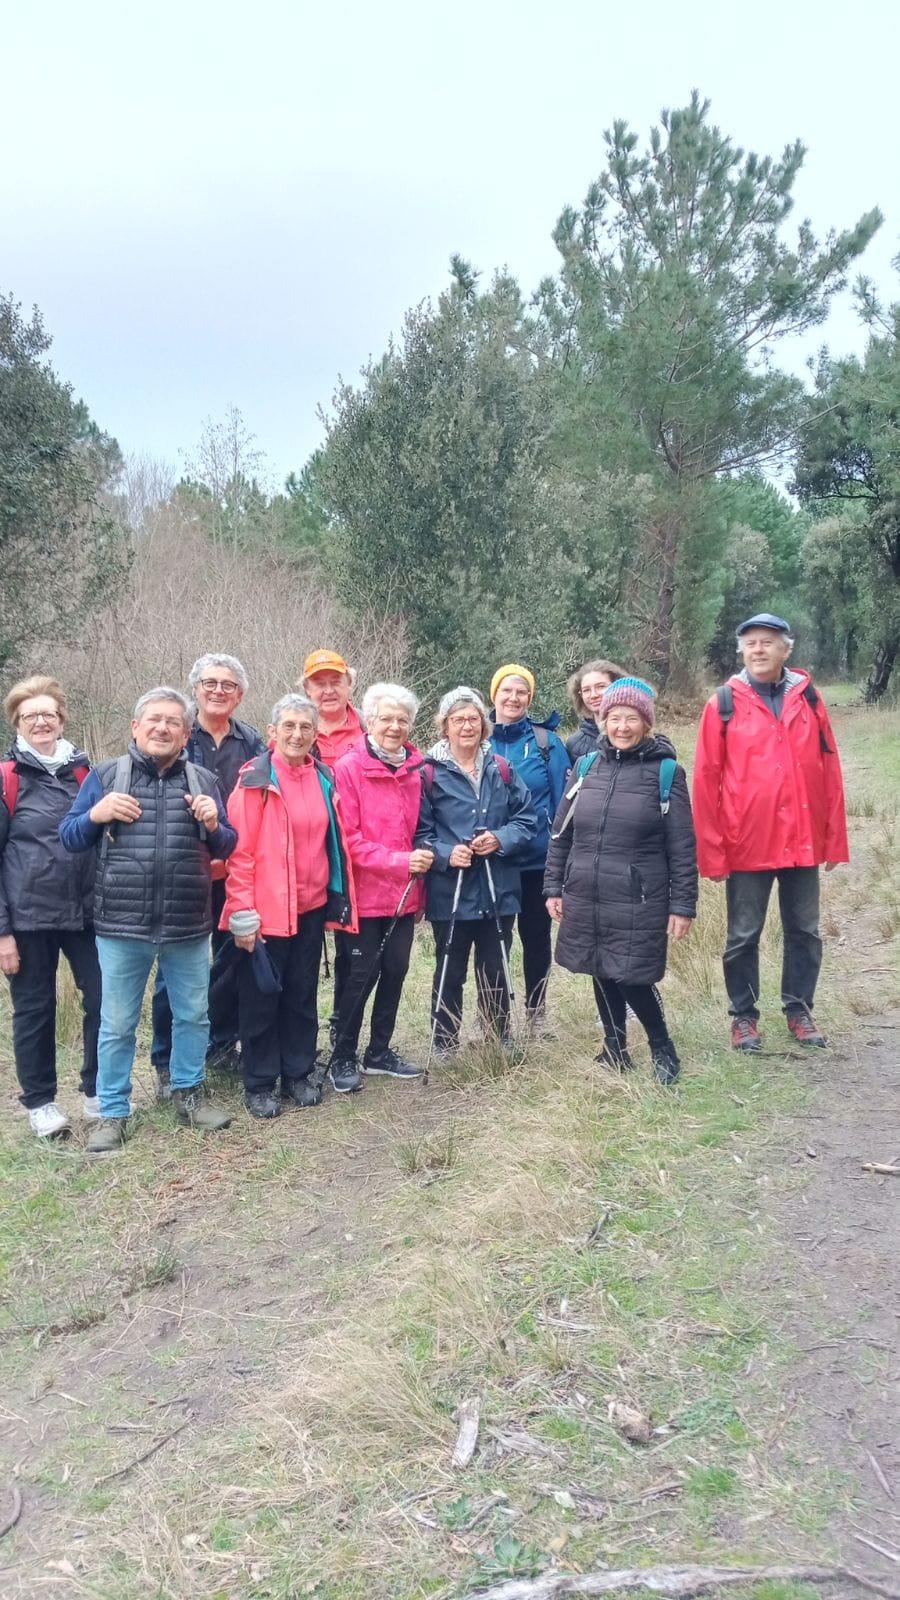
621,875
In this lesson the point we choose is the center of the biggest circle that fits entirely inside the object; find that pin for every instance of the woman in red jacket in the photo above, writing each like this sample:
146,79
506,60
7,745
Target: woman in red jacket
288,878
380,790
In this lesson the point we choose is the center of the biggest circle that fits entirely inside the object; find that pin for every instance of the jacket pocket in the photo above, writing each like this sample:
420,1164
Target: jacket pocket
637,885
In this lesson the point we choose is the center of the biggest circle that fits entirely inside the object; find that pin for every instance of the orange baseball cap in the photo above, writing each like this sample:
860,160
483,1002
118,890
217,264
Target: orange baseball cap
323,661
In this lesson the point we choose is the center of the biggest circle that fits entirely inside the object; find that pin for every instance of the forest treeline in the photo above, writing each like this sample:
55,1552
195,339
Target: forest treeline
588,467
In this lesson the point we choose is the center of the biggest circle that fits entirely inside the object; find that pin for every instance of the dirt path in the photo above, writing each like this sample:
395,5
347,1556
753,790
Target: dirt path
841,1276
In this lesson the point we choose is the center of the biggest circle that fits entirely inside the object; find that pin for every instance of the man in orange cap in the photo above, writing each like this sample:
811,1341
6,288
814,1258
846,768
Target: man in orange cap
328,681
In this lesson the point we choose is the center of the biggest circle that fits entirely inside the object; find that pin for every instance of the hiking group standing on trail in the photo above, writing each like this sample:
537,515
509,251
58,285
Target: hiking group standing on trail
218,857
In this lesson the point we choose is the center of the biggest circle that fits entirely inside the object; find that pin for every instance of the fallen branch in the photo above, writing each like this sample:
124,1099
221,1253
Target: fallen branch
679,1581
880,1475
15,1513
882,1549
468,1415
882,1168
145,1455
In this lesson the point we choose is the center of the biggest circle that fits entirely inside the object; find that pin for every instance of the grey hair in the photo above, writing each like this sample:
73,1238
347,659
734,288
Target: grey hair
293,702
785,636
389,691
215,659
163,691
462,695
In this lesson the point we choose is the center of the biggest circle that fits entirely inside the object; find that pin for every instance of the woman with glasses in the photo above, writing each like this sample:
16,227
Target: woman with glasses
380,786
478,820
289,875
46,900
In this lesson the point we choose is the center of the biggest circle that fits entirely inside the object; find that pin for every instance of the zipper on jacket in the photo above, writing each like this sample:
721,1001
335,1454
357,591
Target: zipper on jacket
637,886
159,887
600,832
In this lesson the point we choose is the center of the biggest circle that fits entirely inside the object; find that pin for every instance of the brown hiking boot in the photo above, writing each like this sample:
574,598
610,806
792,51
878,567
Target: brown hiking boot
193,1108
804,1029
745,1034
107,1137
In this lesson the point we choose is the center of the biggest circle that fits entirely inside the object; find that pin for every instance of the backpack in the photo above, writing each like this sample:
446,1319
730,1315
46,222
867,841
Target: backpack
542,741
501,763
725,704
583,766
9,782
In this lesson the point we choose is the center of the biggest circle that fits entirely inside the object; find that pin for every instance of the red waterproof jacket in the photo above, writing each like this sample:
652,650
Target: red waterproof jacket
331,746
380,813
262,874
767,793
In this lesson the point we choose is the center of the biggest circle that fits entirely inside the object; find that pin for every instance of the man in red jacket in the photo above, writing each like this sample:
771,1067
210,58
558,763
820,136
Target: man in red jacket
769,803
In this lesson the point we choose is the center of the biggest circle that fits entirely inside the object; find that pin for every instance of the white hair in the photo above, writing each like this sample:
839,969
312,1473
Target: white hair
389,691
785,636
293,702
163,691
215,659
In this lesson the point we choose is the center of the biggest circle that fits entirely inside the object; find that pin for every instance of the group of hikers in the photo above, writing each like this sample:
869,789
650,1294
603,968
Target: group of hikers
335,819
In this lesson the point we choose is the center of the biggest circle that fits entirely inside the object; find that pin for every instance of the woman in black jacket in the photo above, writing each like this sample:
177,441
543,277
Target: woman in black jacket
621,875
46,900
586,689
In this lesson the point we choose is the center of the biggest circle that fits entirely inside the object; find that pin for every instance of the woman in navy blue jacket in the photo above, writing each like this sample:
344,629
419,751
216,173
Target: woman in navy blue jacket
542,762
477,818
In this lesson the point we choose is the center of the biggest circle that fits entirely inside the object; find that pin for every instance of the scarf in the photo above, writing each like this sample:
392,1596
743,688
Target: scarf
442,752
62,755
391,758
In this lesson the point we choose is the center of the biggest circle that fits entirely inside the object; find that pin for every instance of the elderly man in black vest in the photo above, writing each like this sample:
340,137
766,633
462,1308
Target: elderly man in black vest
157,822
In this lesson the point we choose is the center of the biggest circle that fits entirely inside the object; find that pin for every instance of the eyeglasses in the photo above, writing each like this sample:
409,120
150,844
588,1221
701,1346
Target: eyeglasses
465,722
286,726
213,686
31,717
393,722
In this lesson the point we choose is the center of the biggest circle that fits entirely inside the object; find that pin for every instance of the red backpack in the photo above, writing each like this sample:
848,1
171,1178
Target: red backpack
9,782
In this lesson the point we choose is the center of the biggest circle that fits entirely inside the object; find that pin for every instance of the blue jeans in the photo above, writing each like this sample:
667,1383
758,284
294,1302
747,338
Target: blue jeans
126,965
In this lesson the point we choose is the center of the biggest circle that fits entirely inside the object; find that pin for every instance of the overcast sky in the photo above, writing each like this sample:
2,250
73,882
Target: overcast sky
225,204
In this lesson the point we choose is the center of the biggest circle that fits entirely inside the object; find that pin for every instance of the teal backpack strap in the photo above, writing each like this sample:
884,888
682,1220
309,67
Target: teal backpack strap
582,768
666,779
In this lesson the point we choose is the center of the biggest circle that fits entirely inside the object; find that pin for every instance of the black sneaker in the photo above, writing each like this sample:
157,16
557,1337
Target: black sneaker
389,1065
265,1103
620,1060
344,1075
302,1092
666,1065
224,1058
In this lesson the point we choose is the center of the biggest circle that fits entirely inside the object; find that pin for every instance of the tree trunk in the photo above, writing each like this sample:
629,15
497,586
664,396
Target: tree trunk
882,667
665,539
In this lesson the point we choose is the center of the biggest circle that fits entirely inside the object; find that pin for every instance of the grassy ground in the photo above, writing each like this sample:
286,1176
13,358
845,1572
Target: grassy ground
294,1313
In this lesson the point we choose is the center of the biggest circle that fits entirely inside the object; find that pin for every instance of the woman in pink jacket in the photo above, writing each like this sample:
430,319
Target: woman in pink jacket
289,877
380,788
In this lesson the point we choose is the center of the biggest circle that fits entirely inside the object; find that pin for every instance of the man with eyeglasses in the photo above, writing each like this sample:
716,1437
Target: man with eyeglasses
223,745
157,822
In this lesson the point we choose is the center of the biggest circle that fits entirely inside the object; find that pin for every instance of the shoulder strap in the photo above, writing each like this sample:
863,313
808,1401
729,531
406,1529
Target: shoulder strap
666,779
582,768
812,698
725,702
542,740
504,769
9,784
584,763
427,770
121,784
195,788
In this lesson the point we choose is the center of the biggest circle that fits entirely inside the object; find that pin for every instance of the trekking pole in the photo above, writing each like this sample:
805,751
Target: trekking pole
507,975
443,977
364,992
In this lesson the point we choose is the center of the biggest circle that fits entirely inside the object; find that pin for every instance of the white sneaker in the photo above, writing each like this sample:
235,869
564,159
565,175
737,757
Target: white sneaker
90,1108
48,1121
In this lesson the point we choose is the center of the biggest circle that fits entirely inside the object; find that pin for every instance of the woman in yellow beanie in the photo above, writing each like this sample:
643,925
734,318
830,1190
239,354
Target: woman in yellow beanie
540,758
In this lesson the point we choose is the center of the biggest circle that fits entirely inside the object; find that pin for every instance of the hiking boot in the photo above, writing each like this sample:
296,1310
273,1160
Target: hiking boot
107,1138
538,1025
745,1034
666,1065
264,1103
804,1029
344,1075
223,1058
302,1092
163,1085
389,1065
90,1107
48,1122
192,1107
620,1060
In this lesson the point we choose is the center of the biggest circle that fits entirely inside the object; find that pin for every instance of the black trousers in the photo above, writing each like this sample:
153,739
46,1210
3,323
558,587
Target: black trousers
747,899
278,1031
493,1000
534,932
33,994
389,974
223,1001
643,998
